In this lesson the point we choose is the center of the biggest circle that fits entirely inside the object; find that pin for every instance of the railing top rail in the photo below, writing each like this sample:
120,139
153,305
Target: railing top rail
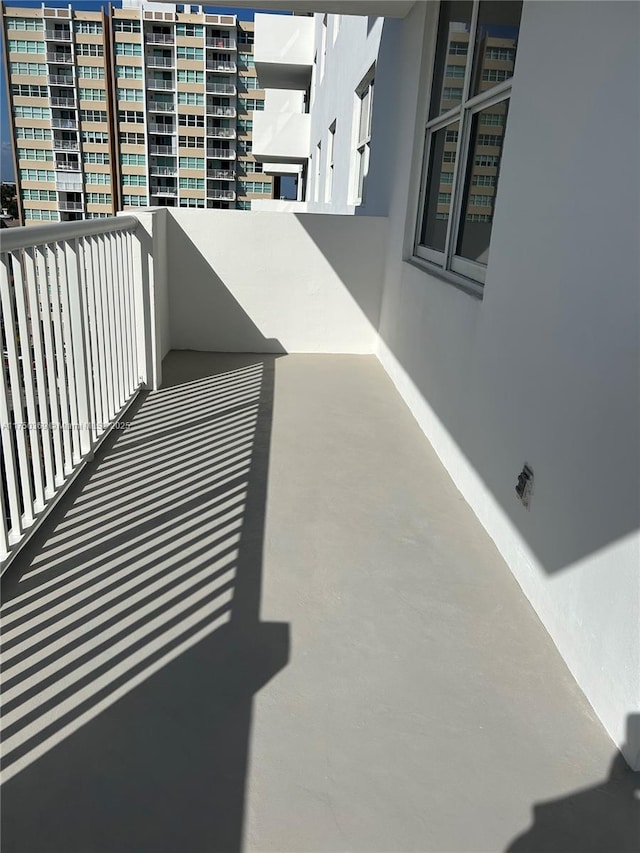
12,239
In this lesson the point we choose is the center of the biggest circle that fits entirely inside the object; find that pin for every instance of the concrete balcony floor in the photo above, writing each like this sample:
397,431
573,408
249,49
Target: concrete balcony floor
265,619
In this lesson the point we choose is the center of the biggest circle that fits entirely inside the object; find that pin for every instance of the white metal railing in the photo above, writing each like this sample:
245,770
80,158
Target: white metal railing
222,43
69,186
222,132
63,102
73,314
160,107
58,35
222,153
60,80
164,191
70,206
228,195
221,111
65,145
161,128
59,57
160,84
160,38
64,124
160,62
68,166
221,174
162,149
171,171
221,89
212,65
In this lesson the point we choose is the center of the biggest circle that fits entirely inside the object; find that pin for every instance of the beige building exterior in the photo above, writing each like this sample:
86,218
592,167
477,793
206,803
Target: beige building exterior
131,108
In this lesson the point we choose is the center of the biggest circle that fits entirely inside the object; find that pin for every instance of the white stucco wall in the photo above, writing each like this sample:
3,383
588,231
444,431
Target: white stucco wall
248,281
545,368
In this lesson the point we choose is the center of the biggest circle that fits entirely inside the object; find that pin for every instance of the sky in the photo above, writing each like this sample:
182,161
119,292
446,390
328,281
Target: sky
6,160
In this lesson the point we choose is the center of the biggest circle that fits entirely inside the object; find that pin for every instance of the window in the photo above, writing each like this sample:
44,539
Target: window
133,160
95,157
190,53
122,25
130,95
186,75
191,141
245,60
316,183
364,112
36,175
98,198
91,72
35,154
93,115
191,183
451,233
503,54
249,104
455,70
129,72
244,146
92,94
124,48
33,133
251,167
33,25
39,195
244,205
32,112
132,138
96,215
31,69
42,215
86,49
97,178
191,162
245,82
88,28
191,202
192,99
134,200
25,90
244,125
256,187
245,37
131,117
94,137
134,180
22,46
331,139
191,30
186,120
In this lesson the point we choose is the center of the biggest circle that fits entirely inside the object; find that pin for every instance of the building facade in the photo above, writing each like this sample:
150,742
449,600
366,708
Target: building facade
131,107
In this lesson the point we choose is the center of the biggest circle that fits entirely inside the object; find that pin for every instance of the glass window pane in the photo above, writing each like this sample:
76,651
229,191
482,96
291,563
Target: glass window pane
496,43
452,50
437,206
483,169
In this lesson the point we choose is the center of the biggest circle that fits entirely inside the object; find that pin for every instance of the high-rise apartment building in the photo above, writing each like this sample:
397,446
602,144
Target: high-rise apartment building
131,107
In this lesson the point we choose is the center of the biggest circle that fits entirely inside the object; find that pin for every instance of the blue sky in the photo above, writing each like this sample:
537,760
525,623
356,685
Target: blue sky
6,160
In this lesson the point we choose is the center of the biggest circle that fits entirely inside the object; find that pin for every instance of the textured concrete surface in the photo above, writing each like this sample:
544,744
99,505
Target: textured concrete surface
266,620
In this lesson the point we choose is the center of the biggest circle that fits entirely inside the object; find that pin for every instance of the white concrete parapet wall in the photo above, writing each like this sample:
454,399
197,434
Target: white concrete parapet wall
245,281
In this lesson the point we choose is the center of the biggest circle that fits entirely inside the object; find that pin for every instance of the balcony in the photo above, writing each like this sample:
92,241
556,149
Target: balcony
159,38
258,553
69,183
221,174
221,132
281,137
68,166
161,128
57,35
64,124
224,67
160,84
60,80
222,43
65,144
162,190
160,107
283,51
160,62
222,153
228,112
163,149
170,171
221,195
221,89
60,58
63,102
70,206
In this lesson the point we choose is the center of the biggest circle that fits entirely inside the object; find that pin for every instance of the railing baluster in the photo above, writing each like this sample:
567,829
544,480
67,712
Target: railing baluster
124,314
15,425
60,357
70,362
128,302
40,370
115,302
104,316
24,331
9,459
42,284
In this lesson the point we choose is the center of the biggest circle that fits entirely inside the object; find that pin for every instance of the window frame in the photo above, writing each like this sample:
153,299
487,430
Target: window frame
469,274
362,143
